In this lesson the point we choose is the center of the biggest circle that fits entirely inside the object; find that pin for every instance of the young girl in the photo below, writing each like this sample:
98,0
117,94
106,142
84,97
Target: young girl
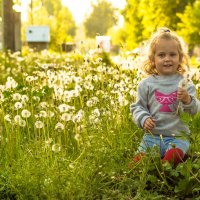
161,95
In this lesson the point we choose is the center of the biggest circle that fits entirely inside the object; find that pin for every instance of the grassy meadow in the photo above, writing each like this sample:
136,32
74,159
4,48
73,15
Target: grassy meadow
66,132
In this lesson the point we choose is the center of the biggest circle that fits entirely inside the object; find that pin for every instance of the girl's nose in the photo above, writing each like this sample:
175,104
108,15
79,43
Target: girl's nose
167,57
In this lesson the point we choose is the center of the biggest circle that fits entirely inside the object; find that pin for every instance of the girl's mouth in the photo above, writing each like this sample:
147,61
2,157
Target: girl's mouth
167,65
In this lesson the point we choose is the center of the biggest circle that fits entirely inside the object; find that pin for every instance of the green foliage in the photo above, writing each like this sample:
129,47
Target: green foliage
143,17
190,25
133,28
96,148
57,17
101,19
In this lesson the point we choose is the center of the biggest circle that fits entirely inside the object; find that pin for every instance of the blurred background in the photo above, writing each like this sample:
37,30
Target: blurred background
92,25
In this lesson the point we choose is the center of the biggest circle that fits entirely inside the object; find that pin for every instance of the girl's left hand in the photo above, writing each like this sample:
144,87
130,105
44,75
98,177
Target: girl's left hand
183,96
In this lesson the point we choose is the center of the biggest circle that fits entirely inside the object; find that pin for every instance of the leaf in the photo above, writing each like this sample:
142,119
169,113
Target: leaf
174,173
185,117
182,186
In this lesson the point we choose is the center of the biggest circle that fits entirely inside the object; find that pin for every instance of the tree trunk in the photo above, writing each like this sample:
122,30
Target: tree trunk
8,25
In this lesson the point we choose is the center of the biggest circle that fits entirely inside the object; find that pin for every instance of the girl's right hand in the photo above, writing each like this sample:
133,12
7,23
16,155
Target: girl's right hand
149,124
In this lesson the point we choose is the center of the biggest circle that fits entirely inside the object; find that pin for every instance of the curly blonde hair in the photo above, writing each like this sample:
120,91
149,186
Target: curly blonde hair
164,33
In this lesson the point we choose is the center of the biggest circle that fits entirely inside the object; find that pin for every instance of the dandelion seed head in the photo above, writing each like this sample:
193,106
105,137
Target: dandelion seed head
39,124
43,104
7,118
78,117
183,83
88,85
22,123
16,97
17,118
77,137
89,103
25,98
11,83
96,112
122,101
66,117
18,105
25,113
43,114
56,148
29,79
65,108
59,126
48,142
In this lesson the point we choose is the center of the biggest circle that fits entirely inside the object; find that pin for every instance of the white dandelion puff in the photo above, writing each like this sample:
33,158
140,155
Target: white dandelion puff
65,108
77,137
183,83
43,114
59,127
43,104
24,98
26,113
56,148
48,142
18,105
11,83
17,118
78,117
96,112
7,118
16,97
39,124
22,123
66,117
29,79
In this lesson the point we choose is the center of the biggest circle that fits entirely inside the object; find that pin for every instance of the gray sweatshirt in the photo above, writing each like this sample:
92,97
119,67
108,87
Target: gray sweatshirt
157,98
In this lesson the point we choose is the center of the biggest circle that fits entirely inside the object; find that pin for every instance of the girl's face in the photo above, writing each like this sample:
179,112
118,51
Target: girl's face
166,58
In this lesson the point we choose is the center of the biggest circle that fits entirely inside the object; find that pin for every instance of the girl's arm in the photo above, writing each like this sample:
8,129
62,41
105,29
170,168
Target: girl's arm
139,109
194,105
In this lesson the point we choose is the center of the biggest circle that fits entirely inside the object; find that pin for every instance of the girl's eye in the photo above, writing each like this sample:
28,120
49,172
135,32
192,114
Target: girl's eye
173,54
161,55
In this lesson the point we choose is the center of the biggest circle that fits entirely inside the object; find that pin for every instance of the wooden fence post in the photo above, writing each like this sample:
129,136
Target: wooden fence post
17,33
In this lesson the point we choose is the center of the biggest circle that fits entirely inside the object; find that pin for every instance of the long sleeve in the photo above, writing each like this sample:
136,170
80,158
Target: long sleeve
194,106
139,109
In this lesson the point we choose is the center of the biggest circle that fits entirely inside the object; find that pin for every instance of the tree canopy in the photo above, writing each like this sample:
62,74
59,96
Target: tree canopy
143,17
189,27
57,17
101,19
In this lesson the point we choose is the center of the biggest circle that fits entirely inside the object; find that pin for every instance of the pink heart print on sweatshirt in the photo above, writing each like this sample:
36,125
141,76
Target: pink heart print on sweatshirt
165,100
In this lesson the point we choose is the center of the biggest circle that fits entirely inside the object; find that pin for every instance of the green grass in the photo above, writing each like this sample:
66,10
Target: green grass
89,157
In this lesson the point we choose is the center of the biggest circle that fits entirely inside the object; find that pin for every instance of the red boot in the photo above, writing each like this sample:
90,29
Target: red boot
174,156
